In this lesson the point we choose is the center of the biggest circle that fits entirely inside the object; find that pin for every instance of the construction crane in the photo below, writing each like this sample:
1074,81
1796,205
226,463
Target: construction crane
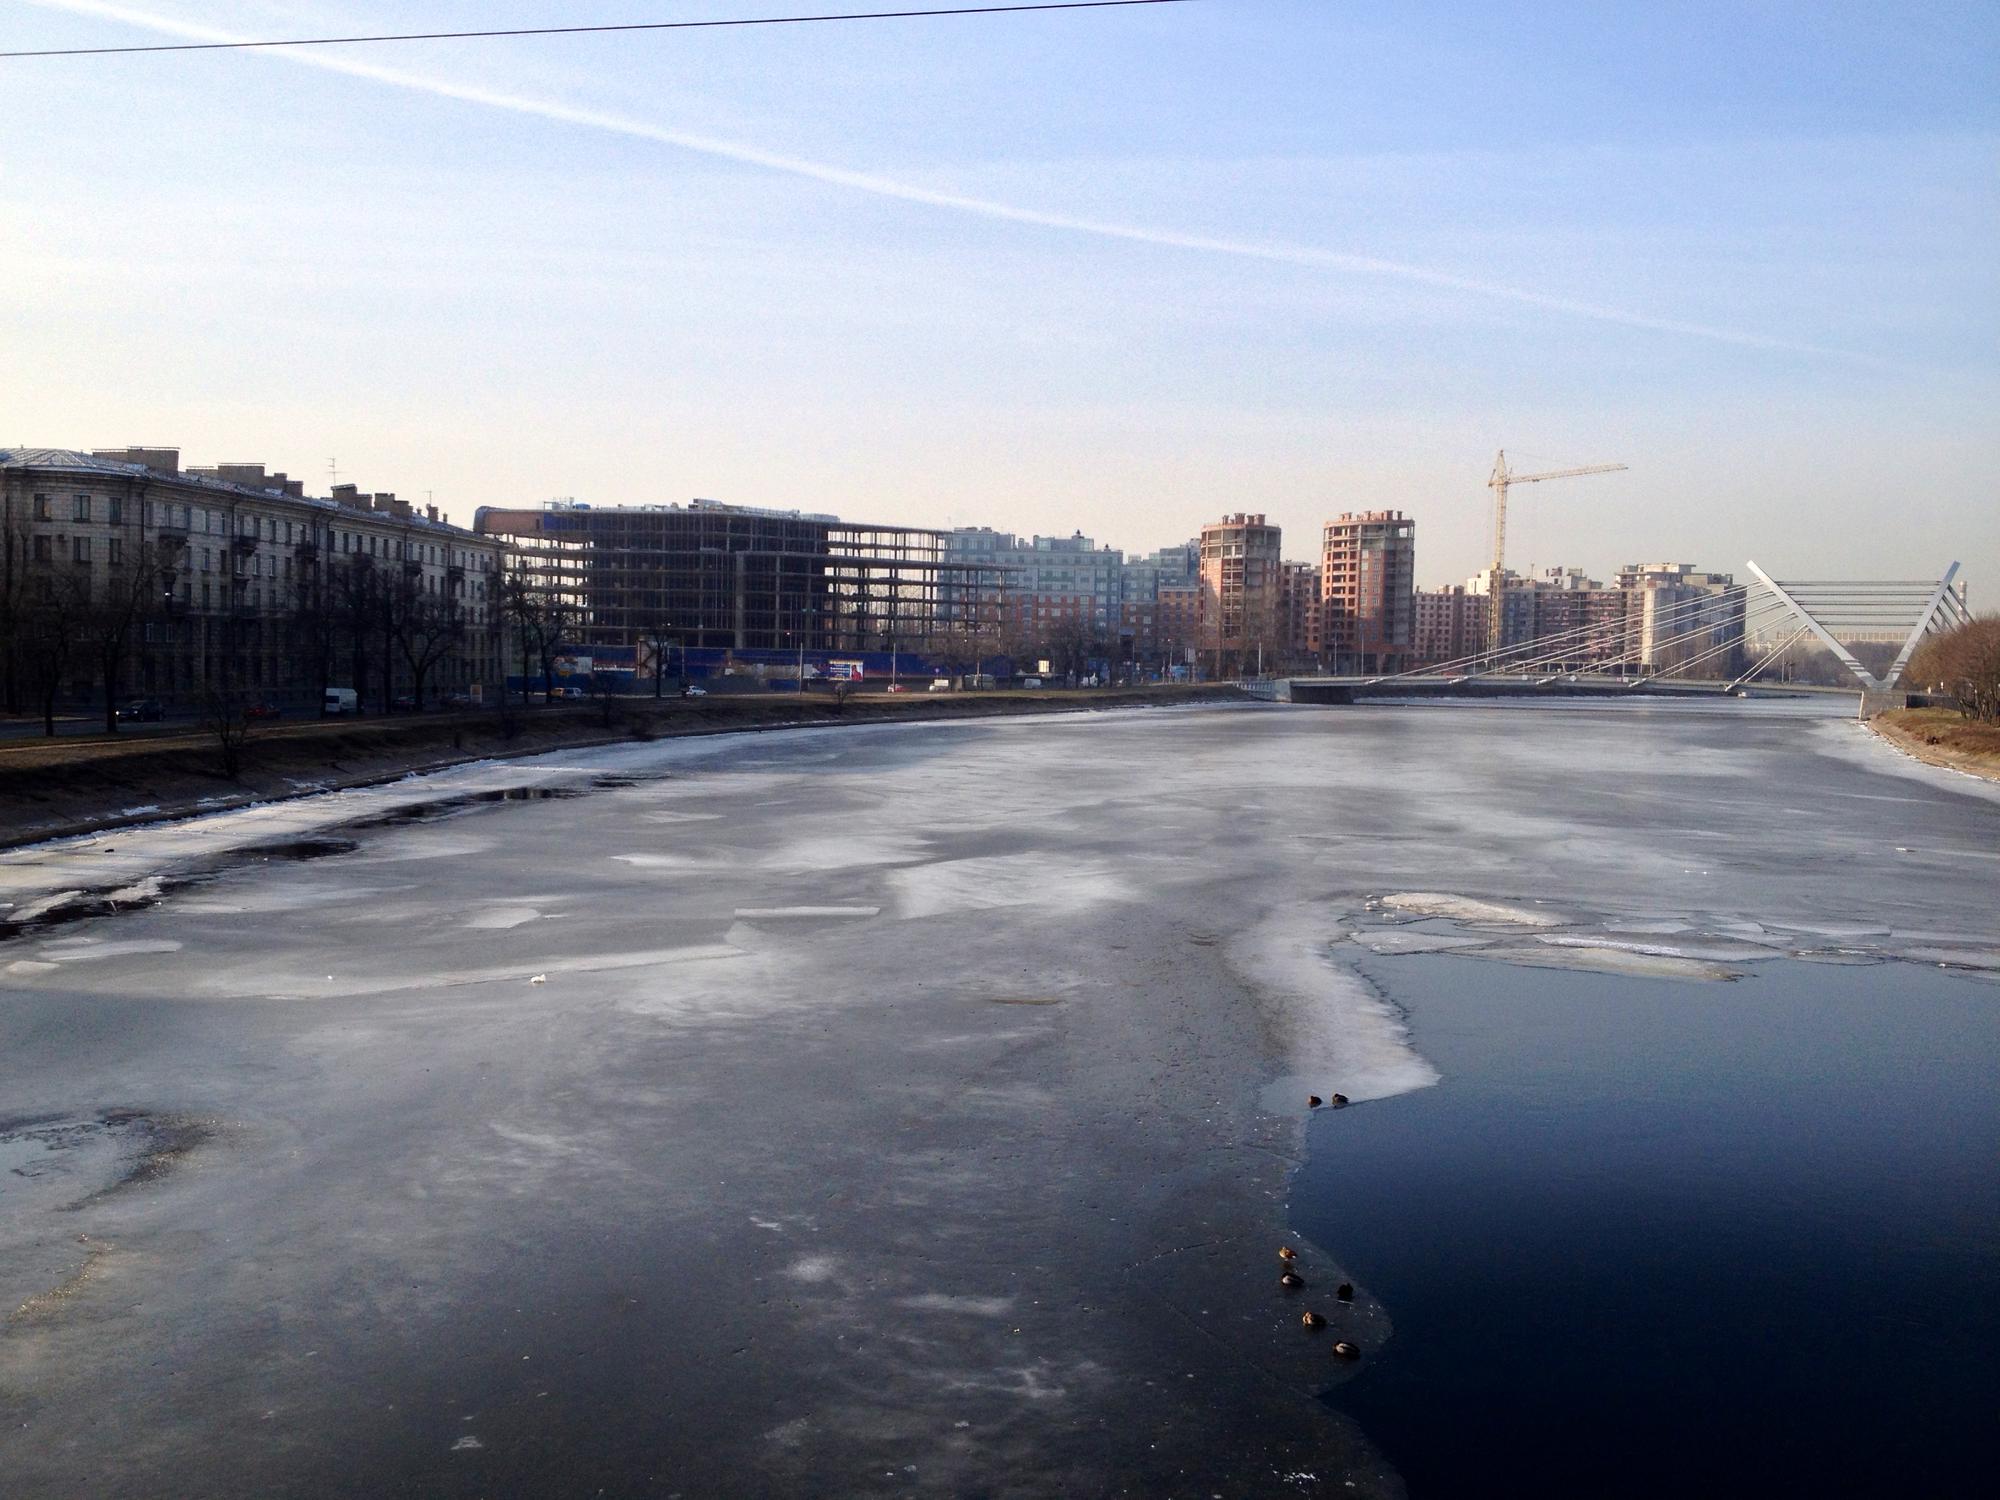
1501,478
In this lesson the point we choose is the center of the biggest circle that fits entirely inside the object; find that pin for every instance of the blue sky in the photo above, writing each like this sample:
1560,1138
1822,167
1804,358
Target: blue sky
1120,271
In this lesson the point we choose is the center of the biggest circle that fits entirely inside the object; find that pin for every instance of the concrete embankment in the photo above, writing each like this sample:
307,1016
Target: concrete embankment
57,788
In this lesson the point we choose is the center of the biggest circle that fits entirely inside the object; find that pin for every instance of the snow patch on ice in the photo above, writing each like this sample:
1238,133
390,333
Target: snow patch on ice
978,1307
957,885
1466,909
83,950
1329,1023
783,913
813,1269
500,918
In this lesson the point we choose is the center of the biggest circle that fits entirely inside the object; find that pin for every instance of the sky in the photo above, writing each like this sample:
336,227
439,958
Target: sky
1117,271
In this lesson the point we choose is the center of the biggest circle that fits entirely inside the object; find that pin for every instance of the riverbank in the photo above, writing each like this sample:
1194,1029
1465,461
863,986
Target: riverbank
66,787
1940,737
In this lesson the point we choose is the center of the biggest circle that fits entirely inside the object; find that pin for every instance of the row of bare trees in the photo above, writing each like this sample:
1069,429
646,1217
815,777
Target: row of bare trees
377,620
65,622
1964,662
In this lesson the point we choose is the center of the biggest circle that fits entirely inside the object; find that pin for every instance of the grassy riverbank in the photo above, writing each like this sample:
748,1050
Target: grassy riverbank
51,788
1943,738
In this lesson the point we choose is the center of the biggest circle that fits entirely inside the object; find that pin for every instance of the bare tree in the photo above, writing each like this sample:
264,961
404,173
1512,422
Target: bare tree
1964,662
226,720
15,606
426,628
313,622
354,599
115,605
522,608
658,637
55,599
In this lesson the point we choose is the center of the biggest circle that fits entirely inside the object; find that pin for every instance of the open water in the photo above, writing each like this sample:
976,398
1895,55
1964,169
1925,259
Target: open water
1662,1237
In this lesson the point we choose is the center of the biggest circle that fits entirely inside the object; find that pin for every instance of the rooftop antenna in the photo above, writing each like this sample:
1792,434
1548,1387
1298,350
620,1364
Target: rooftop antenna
332,472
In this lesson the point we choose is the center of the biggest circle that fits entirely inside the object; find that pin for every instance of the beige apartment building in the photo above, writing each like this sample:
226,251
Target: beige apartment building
1241,627
1368,568
231,579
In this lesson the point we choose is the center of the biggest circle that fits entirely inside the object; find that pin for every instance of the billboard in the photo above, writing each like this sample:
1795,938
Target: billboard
846,671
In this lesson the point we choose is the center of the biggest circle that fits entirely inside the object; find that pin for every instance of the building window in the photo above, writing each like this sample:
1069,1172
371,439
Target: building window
82,512
117,510
41,547
116,554
41,507
82,549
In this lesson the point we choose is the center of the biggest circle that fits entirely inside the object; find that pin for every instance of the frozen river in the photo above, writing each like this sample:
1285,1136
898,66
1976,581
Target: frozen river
886,1110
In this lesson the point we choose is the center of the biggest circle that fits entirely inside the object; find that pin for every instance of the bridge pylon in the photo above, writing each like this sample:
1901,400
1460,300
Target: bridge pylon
1823,606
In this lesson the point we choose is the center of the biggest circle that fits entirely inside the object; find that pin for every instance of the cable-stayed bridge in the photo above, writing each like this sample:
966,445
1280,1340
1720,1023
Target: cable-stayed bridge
1691,645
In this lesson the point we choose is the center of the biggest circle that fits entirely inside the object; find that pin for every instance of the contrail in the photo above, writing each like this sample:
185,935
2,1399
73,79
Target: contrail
888,187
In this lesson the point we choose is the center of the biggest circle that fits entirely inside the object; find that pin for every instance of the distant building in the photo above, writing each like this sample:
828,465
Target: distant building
1654,617
1241,629
1368,579
1066,587
1177,623
1155,637
1300,608
1683,618
743,578
1447,624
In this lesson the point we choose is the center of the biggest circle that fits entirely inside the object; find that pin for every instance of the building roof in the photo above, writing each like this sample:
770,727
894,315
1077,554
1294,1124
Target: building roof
70,461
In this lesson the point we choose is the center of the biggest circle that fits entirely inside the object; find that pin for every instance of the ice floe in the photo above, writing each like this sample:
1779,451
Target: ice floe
1466,909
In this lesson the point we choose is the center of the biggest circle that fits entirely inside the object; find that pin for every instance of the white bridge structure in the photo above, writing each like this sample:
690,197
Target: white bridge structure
1688,643
1867,609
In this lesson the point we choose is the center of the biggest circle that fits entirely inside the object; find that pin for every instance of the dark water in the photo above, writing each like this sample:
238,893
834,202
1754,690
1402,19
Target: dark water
1655,1237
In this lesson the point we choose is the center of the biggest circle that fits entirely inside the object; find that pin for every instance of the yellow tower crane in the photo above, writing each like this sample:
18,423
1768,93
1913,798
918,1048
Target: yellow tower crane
1501,478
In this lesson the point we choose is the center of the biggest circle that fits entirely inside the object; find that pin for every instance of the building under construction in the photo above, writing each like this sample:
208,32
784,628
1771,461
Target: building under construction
740,578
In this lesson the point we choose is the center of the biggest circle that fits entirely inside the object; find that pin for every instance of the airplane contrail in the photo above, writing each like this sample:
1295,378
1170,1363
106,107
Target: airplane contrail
888,187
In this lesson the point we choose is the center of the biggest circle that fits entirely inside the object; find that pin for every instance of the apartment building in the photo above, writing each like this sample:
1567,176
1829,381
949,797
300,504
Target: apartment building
232,579
1299,605
1241,631
1368,569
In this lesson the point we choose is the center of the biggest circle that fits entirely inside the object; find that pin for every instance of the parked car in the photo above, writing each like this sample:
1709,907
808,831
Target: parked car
1028,682
264,708
897,687
458,700
940,685
691,691
568,692
340,701
143,710
404,703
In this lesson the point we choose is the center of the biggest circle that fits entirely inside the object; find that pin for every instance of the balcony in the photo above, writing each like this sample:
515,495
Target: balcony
244,545
171,536
306,551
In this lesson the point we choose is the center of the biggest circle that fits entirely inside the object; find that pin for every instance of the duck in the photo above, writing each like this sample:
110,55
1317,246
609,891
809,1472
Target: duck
1346,1350
1313,1320
1291,1281
1345,1291
1312,1101
1340,1101
1287,1253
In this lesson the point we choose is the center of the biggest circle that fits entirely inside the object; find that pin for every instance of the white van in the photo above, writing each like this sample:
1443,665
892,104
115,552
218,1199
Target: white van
340,701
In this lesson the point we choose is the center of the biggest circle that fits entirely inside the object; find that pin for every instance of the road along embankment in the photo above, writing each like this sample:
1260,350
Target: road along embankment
58,788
